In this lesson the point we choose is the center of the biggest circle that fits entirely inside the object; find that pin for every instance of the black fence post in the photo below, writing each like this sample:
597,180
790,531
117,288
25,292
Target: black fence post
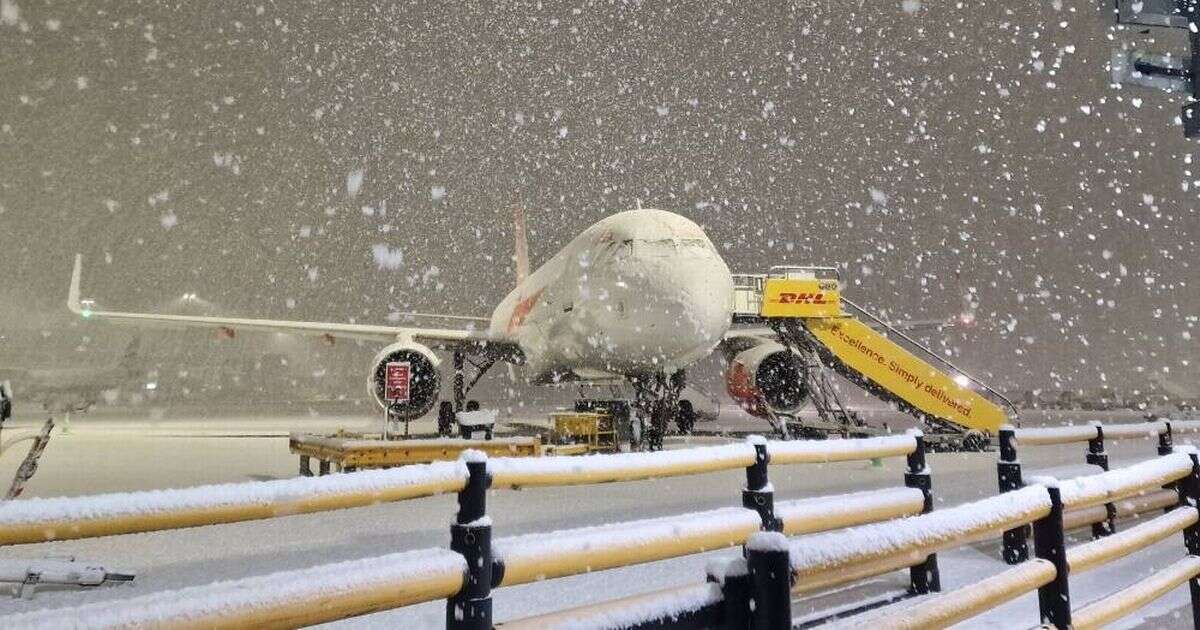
1097,456
1008,471
1054,599
734,579
770,581
758,494
1166,446
1189,495
471,537
1166,442
923,578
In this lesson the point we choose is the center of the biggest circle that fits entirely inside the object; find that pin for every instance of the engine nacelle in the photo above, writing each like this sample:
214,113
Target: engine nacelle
424,383
767,373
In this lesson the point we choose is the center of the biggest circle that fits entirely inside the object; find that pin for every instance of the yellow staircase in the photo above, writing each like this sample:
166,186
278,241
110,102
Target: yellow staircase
804,307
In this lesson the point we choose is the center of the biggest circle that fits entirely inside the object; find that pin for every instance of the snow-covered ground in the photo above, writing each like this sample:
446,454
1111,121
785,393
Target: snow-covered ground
114,454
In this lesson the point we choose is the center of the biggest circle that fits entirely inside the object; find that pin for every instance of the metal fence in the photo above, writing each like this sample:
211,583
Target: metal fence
790,547
756,591
465,574
1101,519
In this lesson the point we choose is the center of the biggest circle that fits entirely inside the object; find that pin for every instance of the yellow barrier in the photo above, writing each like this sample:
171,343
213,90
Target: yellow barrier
543,556
807,516
41,520
923,534
1123,602
567,471
287,599
556,554
826,451
1129,506
107,515
944,610
820,579
1133,430
1056,435
1100,551
1185,425
625,612
360,453
1118,484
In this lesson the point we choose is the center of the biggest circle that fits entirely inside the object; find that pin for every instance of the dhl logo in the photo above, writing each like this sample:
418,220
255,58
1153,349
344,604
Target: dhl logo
801,298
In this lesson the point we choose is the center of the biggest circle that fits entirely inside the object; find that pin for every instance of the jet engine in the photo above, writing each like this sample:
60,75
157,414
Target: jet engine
766,373
414,379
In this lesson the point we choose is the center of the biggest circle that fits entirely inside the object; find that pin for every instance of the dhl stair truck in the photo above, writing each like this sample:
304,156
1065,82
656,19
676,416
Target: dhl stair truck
807,314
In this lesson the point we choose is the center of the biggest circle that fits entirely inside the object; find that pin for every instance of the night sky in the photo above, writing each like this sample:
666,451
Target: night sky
340,161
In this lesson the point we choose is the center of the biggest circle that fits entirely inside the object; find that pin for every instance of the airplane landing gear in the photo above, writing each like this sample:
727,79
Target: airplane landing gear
685,419
656,398
445,422
447,409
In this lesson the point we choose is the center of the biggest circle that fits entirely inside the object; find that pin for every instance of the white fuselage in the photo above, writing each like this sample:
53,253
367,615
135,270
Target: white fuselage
638,292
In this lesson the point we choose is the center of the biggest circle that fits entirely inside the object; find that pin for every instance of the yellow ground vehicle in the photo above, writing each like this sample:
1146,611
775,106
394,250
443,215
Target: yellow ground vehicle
595,429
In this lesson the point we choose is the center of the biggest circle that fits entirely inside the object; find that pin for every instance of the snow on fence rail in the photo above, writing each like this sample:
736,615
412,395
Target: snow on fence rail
1050,570
1085,432
1131,506
746,591
286,599
572,470
1103,550
818,514
692,604
821,561
603,468
39,520
541,556
1117,484
817,452
926,533
1121,603
482,565
1009,473
956,606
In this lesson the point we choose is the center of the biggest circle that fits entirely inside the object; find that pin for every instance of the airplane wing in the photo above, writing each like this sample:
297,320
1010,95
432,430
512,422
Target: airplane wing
441,338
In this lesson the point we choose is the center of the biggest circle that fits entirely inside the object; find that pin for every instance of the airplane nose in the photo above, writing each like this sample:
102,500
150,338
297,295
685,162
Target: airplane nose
691,301
701,300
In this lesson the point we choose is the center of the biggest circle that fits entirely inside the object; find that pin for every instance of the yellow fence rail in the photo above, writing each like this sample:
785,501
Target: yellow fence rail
1126,601
841,539
287,599
40,520
1104,550
869,549
956,606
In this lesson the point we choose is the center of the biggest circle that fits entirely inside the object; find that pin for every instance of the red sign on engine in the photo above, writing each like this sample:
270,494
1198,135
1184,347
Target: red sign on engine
396,381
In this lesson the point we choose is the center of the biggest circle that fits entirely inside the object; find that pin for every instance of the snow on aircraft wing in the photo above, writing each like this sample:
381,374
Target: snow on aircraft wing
443,338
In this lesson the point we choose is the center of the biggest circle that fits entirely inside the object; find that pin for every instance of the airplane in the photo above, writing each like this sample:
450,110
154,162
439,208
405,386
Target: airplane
638,297
76,389
1174,393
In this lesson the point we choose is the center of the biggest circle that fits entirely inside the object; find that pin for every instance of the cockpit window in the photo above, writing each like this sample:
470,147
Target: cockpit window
669,246
660,247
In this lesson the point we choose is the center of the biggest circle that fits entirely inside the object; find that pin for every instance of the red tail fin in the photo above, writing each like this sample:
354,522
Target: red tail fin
521,246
